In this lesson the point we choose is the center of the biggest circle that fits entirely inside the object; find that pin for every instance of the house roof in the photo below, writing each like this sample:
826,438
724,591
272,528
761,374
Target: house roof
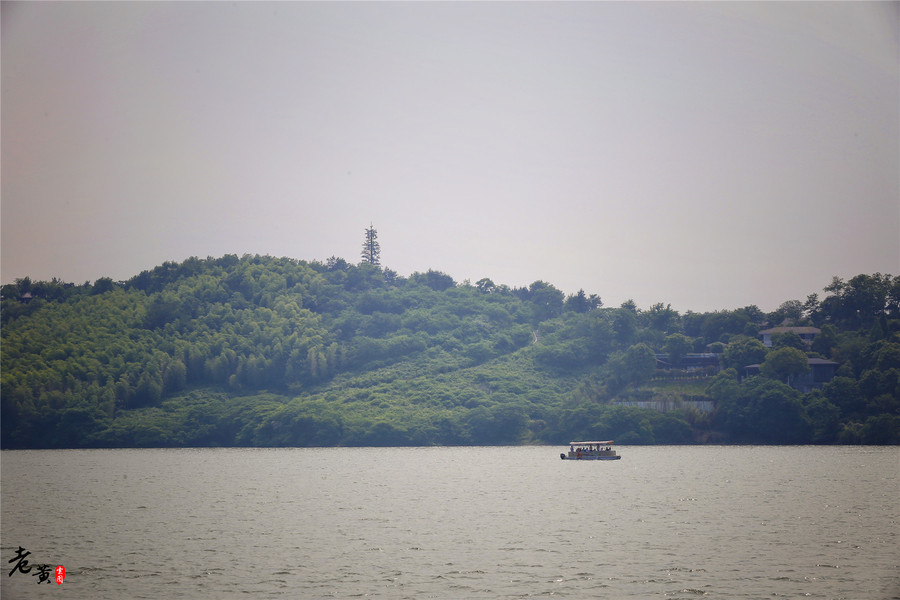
822,361
797,330
810,361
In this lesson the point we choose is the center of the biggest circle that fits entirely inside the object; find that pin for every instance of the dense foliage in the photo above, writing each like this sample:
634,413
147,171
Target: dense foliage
262,351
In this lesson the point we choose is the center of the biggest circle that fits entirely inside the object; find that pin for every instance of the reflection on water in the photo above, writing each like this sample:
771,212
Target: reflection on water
668,522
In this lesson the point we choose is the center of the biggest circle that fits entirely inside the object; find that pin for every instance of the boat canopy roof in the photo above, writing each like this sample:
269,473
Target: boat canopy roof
604,443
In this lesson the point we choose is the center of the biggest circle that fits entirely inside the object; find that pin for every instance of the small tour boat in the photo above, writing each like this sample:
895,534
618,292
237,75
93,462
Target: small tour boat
590,451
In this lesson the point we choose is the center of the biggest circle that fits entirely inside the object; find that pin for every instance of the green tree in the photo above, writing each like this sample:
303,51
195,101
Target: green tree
485,286
825,342
335,264
371,250
500,424
788,339
881,429
662,318
811,308
824,417
578,302
860,301
789,312
624,324
721,326
844,393
743,351
436,280
635,366
678,346
547,300
766,411
784,364
103,285
724,387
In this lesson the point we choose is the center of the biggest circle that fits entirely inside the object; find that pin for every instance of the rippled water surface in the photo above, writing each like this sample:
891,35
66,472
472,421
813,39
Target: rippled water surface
663,522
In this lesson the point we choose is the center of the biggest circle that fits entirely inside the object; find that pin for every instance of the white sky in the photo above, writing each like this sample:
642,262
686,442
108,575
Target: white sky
707,155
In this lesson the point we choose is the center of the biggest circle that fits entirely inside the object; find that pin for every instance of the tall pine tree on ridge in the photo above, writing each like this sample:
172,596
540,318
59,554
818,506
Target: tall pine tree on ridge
371,251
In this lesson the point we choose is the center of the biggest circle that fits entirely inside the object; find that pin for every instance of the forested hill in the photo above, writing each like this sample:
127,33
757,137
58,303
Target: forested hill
262,351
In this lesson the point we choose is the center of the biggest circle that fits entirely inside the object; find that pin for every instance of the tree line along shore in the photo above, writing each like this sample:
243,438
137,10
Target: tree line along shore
264,351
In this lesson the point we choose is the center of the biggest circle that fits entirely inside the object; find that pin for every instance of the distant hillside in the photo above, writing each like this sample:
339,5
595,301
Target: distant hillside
262,351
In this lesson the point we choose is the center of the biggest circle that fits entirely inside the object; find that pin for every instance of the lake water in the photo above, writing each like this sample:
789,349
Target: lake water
663,522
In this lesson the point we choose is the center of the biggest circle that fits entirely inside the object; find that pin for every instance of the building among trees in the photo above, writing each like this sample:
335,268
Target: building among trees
820,372
807,334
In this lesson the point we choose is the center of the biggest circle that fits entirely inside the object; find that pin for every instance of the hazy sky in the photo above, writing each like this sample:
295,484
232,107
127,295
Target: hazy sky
707,155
